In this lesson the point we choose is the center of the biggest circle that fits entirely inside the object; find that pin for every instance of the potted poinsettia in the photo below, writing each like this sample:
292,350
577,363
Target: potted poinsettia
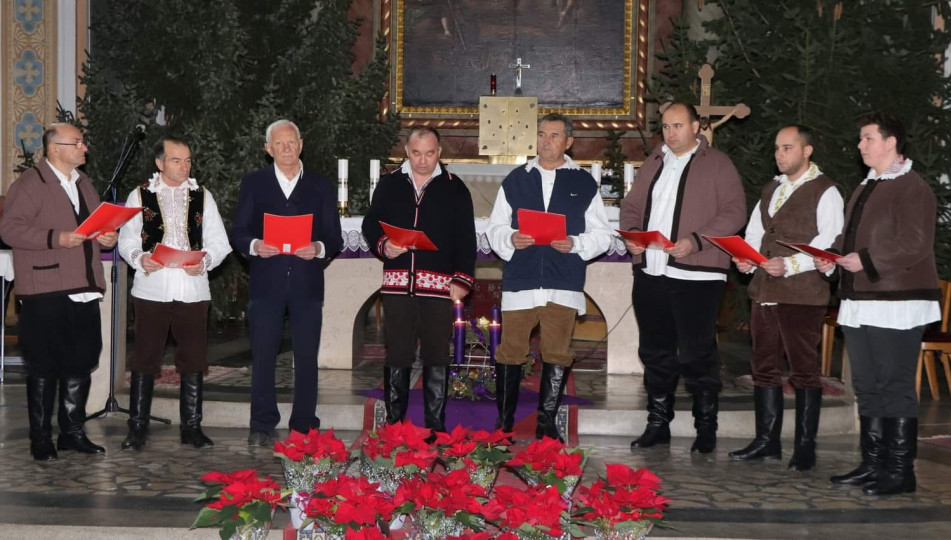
348,507
530,513
549,462
242,504
395,452
309,458
478,452
441,505
623,505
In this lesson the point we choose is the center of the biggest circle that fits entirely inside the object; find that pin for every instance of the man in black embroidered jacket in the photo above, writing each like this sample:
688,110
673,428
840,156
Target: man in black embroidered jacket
420,286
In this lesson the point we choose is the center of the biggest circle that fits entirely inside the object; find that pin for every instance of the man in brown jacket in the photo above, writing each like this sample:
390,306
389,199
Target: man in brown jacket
59,282
790,298
685,189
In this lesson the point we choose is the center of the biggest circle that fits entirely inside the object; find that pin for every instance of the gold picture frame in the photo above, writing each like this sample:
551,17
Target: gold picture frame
627,112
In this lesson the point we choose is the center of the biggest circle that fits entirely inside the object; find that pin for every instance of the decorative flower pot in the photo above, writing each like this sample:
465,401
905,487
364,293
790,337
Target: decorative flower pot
642,531
252,532
434,525
296,510
484,476
389,478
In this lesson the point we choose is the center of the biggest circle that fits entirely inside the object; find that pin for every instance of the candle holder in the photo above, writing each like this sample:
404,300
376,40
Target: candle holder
343,208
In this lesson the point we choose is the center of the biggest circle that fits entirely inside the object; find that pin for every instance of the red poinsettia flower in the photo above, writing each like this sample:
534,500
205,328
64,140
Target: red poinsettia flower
215,477
619,475
367,533
537,507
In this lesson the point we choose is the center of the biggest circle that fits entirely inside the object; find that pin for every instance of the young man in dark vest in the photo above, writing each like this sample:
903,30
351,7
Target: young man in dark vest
180,214
419,287
801,205
59,283
543,285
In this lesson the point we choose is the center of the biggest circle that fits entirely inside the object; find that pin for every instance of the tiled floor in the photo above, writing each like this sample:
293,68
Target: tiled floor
713,497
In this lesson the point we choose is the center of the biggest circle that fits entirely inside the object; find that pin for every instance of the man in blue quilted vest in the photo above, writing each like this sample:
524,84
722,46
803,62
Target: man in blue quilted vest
543,285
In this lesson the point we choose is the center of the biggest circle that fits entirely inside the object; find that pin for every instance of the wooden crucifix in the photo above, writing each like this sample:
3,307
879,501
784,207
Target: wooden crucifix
705,110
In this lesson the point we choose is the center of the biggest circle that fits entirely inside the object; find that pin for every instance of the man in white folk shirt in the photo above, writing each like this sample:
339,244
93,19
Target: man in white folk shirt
801,205
544,285
180,214
685,189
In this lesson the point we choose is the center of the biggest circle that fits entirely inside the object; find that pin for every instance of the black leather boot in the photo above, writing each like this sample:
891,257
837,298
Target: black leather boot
872,441
706,405
549,398
73,393
901,437
508,379
768,401
140,408
660,411
189,407
40,393
808,407
435,383
396,392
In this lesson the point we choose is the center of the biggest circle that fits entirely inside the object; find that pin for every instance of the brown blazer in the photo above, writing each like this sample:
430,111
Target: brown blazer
710,201
37,210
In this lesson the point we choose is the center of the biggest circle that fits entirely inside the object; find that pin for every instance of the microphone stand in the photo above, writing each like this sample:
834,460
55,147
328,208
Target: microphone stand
129,146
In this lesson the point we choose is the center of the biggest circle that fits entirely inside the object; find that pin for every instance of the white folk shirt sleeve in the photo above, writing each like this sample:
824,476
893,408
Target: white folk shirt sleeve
500,231
130,236
754,231
829,220
214,237
597,235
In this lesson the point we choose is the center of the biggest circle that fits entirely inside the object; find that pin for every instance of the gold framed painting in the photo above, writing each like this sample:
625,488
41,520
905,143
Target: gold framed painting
584,58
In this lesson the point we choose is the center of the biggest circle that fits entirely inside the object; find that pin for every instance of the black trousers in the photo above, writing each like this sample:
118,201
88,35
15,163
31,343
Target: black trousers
266,321
884,362
412,318
59,337
677,322
188,322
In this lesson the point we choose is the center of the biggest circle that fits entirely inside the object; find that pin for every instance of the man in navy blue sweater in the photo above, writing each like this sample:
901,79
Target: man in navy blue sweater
280,285
544,284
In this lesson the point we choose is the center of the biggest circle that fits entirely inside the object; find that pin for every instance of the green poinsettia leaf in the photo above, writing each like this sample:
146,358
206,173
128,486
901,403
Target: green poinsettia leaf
258,512
574,531
472,521
405,508
210,493
228,529
207,517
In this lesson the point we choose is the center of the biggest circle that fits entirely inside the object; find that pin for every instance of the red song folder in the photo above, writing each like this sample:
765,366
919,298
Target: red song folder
408,238
811,251
544,227
287,233
170,257
737,247
106,218
649,239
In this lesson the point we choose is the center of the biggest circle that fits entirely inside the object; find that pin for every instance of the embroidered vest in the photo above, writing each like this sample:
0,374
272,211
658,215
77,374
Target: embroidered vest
153,226
795,221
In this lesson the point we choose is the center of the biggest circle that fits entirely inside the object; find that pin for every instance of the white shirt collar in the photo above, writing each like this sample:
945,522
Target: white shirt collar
812,172
669,154
901,166
73,174
156,184
407,169
280,175
568,164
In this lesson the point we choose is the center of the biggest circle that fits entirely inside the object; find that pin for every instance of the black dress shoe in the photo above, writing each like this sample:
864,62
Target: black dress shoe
705,442
43,450
261,438
653,435
78,442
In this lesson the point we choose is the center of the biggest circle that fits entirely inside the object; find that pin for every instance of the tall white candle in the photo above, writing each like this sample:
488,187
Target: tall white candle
628,176
374,175
596,171
343,170
342,194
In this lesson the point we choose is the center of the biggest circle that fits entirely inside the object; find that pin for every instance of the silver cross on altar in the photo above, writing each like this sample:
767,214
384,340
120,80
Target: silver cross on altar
518,66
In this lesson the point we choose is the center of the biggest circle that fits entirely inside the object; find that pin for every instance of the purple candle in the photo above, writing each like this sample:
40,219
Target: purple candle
457,310
458,341
495,337
495,314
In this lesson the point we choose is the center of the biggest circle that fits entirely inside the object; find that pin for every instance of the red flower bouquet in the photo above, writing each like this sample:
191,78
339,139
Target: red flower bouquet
532,513
311,457
441,505
478,452
395,452
345,505
243,503
625,504
548,462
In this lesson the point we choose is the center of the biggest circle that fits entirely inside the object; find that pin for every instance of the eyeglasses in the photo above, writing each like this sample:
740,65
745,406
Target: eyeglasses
78,144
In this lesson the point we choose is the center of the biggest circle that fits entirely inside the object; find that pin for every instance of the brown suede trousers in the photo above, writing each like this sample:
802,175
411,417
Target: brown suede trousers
557,324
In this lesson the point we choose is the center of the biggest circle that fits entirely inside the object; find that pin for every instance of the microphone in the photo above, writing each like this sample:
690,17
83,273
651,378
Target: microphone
139,131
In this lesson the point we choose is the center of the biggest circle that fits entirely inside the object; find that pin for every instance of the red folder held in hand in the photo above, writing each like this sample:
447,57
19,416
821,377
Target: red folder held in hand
106,218
408,238
737,247
811,251
544,227
170,257
287,233
649,239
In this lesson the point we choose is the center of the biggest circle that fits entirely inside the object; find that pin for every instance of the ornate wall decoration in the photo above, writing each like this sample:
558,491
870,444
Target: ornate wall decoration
28,60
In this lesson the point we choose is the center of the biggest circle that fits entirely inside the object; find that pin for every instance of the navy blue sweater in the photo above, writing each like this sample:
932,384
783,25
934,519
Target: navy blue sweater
542,267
